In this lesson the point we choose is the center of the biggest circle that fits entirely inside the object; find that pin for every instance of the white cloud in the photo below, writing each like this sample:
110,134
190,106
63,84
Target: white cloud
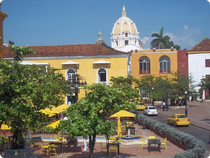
187,40
146,42
185,27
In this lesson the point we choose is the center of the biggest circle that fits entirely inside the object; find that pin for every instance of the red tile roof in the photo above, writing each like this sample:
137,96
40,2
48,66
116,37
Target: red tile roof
203,45
68,50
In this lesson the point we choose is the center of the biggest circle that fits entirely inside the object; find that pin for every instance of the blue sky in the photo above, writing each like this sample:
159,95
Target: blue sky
58,22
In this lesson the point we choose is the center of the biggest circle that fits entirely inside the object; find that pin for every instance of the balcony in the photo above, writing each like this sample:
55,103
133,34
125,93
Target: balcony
144,71
76,81
164,71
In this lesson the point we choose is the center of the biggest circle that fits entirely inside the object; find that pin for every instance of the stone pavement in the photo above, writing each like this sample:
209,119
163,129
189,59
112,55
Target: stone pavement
131,148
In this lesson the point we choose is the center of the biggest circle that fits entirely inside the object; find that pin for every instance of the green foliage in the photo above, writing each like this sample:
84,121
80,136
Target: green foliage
175,85
23,92
126,85
205,83
2,140
20,51
162,42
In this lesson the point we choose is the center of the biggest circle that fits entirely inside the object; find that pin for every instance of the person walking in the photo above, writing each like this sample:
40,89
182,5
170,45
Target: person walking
163,104
85,143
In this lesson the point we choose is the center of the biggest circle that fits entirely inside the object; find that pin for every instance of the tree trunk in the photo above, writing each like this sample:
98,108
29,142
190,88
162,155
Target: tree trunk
91,145
17,140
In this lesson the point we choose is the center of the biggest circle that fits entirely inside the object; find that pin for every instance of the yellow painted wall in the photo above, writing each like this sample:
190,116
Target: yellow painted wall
86,68
2,17
154,61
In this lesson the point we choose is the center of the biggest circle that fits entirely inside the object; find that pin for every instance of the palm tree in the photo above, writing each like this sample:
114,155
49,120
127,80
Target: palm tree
160,42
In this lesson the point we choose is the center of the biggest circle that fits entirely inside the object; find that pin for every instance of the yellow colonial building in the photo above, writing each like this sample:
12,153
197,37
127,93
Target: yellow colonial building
81,64
154,62
2,17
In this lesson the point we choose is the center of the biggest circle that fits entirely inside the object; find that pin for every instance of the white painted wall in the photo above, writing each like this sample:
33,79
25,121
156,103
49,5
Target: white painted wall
196,67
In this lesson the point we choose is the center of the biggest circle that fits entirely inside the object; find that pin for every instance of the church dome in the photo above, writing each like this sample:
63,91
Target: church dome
124,25
124,35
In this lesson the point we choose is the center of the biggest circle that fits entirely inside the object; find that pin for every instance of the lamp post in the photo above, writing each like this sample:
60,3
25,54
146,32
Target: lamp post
185,92
152,96
166,101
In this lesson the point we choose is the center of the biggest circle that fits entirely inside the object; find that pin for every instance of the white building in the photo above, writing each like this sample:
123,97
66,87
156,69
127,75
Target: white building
124,35
199,63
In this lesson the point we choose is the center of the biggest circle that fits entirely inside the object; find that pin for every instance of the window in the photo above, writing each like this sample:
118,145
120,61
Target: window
164,64
116,43
71,75
126,42
207,62
102,75
144,65
126,34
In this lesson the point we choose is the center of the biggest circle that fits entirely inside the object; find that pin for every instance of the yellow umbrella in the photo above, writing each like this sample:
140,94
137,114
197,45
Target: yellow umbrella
54,124
63,106
121,113
53,110
5,127
47,112
57,109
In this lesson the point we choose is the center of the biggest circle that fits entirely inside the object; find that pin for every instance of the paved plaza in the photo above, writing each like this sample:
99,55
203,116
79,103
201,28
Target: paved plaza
199,114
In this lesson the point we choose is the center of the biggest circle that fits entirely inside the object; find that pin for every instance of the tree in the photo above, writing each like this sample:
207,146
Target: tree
20,51
146,84
171,44
23,92
160,42
88,115
126,85
205,83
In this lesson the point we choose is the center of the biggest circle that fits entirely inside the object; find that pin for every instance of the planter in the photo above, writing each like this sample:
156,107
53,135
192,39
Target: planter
22,153
2,147
206,100
157,102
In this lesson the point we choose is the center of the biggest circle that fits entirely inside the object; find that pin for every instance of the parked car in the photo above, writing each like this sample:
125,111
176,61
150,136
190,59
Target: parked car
150,110
141,106
179,120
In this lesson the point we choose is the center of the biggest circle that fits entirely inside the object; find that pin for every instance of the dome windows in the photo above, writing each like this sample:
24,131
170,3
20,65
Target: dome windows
125,23
126,34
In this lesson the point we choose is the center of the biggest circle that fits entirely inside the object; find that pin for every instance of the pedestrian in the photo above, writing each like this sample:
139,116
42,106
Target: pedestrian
163,104
85,143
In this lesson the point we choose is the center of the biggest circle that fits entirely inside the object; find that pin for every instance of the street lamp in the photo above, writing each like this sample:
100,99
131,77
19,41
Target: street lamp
152,96
166,101
76,92
185,92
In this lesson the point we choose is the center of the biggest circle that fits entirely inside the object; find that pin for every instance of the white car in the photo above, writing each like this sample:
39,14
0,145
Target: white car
150,110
